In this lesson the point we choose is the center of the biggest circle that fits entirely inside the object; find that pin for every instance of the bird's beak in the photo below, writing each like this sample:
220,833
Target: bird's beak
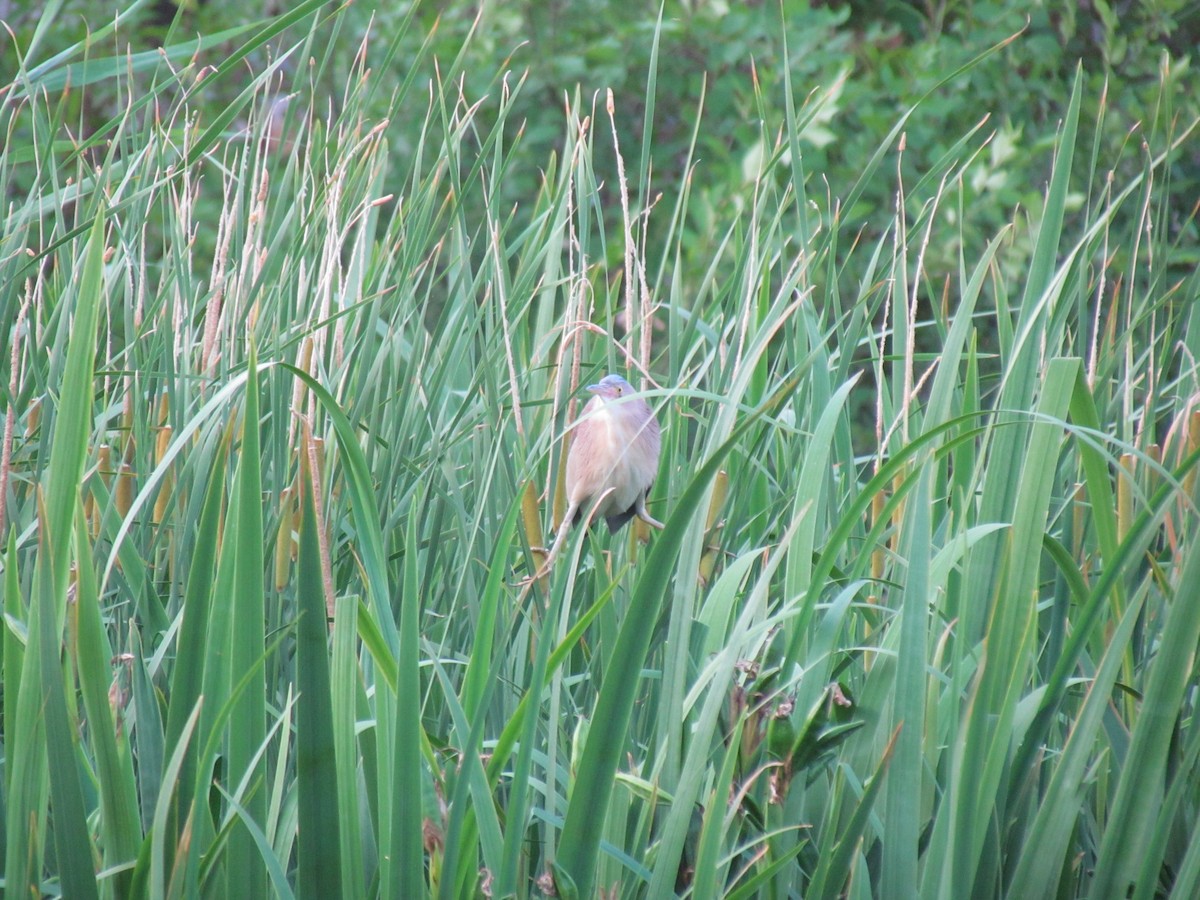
594,388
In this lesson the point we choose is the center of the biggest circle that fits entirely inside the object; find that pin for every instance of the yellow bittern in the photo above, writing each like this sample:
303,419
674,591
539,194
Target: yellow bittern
613,459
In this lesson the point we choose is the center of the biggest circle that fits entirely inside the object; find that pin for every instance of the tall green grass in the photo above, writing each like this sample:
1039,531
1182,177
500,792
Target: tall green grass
284,416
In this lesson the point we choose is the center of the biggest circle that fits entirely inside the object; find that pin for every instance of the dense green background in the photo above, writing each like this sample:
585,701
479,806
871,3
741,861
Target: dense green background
721,63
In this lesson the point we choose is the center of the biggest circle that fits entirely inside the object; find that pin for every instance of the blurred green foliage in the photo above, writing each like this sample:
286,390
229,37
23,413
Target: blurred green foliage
720,63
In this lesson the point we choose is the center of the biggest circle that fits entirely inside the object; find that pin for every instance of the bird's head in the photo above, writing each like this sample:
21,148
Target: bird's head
611,387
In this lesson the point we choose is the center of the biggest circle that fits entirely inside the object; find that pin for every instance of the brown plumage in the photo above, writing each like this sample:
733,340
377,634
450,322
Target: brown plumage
613,458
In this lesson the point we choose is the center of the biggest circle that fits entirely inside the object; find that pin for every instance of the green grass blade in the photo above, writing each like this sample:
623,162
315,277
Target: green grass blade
833,871
1037,870
246,872
1139,791
72,429
279,880
148,735
53,78
1187,880
906,779
984,754
344,676
476,822
25,759
1021,368
319,852
14,657
71,838
709,869
120,835
806,505
161,833
1095,470
191,640
406,854
475,679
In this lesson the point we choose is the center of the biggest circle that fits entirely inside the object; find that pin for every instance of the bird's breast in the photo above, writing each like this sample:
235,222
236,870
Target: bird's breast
607,455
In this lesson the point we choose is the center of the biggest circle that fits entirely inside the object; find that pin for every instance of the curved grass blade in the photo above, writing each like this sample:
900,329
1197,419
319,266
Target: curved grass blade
835,866
187,678
162,832
120,827
71,838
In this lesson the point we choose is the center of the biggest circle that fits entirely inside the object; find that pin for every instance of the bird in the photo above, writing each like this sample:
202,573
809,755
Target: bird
613,459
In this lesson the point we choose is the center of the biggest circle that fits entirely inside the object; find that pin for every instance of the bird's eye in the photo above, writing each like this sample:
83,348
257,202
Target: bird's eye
618,391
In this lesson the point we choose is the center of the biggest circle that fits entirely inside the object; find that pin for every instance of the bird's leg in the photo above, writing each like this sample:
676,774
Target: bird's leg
563,528
568,521
644,515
